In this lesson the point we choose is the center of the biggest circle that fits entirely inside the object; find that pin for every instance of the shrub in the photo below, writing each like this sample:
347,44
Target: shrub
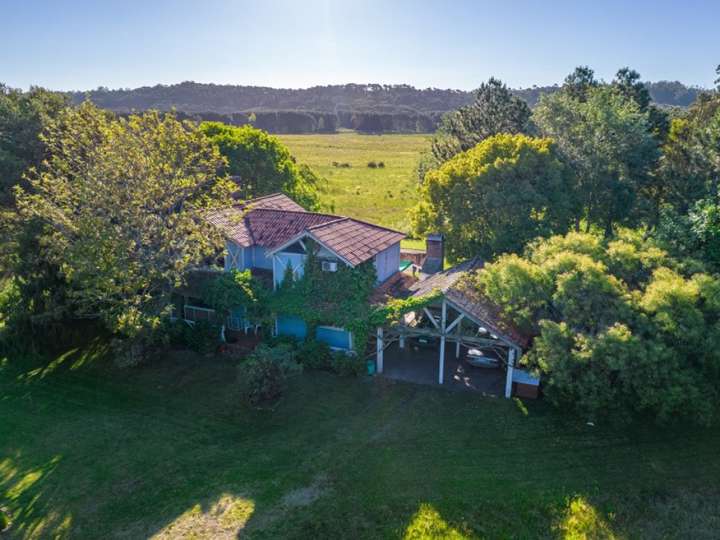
315,355
288,341
381,164
263,375
202,337
347,365
372,164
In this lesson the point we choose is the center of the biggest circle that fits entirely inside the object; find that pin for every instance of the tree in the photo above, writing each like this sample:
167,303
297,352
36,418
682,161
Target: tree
119,209
621,330
579,83
23,115
627,82
689,170
606,140
495,110
496,196
261,164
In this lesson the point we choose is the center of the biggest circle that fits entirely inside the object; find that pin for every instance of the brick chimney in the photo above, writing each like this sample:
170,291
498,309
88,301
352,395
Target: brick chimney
435,250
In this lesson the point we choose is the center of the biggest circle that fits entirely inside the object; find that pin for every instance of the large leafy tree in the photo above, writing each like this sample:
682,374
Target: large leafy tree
23,116
605,138
496,196
622,330
117,212
261,164
495,110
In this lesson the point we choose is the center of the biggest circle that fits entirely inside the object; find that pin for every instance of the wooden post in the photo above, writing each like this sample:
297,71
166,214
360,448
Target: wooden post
379,349
443,320
509,375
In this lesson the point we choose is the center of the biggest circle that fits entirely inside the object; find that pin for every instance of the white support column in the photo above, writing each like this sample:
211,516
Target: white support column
401,339
379,349
509,375
457,348
443,320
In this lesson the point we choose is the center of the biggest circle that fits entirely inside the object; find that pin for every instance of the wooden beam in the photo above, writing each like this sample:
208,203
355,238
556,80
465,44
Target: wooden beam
455,322
443,321
509,374
432,317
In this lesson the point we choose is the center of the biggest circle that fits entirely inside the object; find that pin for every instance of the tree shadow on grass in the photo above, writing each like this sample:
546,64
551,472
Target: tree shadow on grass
163,450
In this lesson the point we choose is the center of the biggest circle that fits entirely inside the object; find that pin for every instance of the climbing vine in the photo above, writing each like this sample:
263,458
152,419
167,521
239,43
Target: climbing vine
341,298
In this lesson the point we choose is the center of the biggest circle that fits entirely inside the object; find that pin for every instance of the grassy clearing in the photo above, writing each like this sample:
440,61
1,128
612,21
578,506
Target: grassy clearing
380,195
90,452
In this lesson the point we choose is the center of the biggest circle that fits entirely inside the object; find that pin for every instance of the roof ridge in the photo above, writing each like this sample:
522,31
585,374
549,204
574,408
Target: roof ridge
337,220
376,225
306,212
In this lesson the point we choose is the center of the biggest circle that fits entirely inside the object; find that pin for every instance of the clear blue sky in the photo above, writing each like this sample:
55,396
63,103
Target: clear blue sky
80,45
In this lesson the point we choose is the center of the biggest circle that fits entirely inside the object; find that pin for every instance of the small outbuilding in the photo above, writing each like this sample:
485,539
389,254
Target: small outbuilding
459,317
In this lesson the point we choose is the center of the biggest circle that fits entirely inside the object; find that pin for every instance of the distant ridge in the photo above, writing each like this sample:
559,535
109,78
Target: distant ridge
365,107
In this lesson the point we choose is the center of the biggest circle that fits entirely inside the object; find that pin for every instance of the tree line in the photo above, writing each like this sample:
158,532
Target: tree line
363,107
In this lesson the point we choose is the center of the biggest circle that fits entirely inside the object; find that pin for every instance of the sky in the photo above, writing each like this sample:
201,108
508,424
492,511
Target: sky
80,45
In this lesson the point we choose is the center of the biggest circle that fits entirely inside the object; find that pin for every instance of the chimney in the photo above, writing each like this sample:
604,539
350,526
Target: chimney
435,254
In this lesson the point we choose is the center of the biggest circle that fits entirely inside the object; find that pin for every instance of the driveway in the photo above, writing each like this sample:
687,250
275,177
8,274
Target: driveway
420,365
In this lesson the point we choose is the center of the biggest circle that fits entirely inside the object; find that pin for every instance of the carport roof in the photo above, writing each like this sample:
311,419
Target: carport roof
469,300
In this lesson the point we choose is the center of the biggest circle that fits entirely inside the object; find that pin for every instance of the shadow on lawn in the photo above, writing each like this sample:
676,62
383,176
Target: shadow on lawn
160,452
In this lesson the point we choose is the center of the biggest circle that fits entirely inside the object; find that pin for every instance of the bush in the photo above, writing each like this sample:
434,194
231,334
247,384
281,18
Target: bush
263,375
315,355
381,164
289,341
347,365
372,165
203,337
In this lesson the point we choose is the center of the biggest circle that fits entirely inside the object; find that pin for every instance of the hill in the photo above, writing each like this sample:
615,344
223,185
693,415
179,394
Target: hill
362,107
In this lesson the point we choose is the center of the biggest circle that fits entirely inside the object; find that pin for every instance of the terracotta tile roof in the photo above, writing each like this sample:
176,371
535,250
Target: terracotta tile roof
275,201
355,241
276,219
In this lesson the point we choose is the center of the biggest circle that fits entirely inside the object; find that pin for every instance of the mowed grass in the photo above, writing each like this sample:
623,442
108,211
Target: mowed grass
88,451
379,195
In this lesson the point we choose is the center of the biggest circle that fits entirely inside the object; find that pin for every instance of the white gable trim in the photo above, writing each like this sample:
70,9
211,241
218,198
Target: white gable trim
308,234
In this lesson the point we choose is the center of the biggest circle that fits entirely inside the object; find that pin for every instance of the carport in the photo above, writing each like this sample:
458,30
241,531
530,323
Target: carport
458,320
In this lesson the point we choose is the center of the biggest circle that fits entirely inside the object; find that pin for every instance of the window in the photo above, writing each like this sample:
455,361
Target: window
329,266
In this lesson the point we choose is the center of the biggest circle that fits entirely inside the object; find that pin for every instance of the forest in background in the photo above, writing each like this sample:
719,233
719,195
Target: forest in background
370,108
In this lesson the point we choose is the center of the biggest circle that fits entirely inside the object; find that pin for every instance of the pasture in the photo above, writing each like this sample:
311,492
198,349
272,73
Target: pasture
380,195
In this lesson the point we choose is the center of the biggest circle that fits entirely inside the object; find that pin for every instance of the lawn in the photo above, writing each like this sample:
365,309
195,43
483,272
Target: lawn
87,451
380,195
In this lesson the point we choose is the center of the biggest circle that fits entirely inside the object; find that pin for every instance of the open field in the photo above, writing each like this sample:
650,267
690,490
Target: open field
87,451
380,195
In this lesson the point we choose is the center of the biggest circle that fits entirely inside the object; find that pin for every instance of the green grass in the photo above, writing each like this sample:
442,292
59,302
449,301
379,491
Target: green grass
87,451
381,195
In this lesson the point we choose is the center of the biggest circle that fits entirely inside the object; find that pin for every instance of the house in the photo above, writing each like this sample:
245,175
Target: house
269,237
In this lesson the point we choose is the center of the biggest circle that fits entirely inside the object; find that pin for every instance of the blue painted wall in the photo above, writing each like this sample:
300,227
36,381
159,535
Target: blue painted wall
291,326
334,337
